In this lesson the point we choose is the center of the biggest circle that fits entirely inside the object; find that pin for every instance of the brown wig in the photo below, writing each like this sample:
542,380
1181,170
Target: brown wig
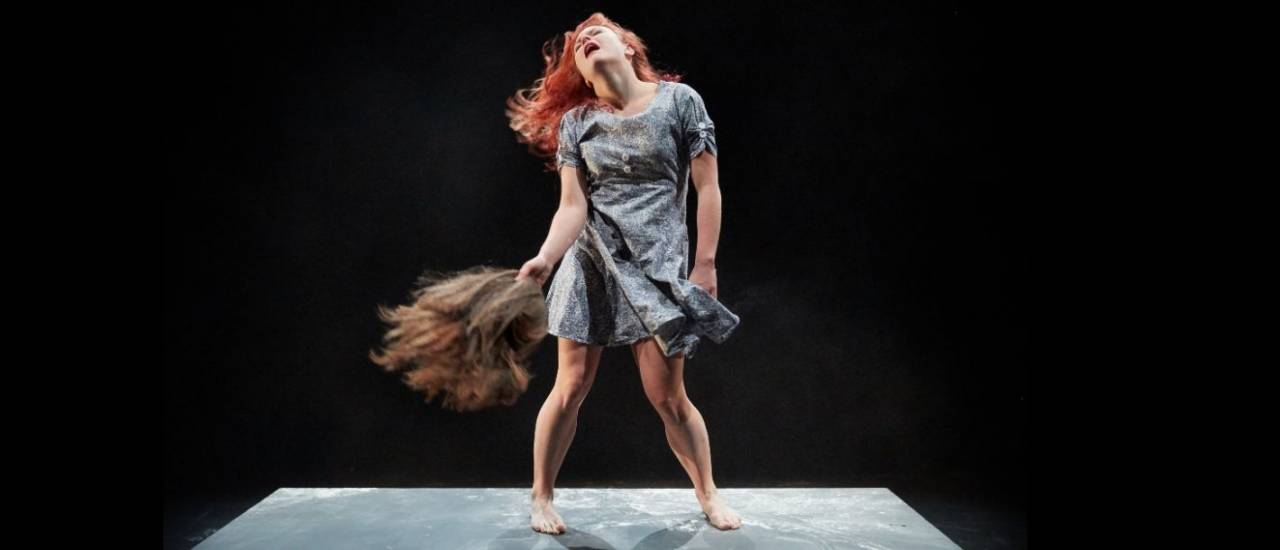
466,335
535,112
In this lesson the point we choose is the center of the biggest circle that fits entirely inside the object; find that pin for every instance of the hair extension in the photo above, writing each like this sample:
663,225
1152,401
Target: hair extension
466,335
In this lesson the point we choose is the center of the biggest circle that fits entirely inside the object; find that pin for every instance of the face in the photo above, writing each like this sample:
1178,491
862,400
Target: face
596,45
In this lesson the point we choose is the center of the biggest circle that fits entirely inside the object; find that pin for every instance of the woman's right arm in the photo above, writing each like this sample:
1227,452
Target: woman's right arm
566,225
570,217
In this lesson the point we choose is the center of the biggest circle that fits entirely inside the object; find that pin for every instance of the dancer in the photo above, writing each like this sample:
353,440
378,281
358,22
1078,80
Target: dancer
626,141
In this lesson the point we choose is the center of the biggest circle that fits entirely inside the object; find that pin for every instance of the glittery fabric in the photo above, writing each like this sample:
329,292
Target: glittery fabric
626,277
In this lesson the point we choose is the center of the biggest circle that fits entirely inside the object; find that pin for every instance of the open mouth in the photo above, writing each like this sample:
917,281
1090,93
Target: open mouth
591,48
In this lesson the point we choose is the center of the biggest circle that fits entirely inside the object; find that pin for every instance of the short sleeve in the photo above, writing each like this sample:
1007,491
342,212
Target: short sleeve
699,131
567,152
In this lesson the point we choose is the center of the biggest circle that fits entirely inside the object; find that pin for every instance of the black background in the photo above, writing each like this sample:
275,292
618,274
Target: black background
873,241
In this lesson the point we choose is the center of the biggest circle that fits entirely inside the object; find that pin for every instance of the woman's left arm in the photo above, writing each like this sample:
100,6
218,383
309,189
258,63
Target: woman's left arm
706,182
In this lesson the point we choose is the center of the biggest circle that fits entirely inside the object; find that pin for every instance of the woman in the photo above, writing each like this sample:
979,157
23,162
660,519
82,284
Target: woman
626,143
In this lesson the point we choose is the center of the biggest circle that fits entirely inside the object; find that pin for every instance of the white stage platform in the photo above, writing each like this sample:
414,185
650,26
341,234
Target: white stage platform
480,518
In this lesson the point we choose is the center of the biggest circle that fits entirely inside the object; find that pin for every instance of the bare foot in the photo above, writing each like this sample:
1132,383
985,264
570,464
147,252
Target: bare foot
719,513
543,517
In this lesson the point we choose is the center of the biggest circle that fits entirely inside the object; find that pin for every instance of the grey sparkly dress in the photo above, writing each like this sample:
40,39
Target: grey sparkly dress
626,277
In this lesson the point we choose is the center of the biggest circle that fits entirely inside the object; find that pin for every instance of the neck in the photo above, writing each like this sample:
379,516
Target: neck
619,90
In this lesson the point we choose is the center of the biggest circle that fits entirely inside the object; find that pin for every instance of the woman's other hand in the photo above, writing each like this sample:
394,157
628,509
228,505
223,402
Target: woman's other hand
704,275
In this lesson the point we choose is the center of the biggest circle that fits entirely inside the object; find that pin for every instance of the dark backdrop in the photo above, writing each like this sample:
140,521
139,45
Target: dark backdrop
873,242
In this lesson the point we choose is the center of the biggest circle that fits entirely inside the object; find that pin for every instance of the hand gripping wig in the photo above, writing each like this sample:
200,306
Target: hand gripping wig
466,335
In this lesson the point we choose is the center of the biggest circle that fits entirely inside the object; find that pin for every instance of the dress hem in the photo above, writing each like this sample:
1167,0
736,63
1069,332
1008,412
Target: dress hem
614,343
681,339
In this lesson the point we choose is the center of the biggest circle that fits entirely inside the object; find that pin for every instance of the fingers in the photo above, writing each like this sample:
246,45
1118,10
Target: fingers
525,271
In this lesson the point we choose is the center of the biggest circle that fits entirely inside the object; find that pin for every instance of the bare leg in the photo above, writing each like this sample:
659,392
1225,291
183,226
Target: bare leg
556,425
663,380
686,461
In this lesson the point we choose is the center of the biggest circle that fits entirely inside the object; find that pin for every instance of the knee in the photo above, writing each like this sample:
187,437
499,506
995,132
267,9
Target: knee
673,408
572,392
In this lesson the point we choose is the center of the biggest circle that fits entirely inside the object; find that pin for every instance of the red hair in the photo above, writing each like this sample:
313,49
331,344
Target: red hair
535,111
